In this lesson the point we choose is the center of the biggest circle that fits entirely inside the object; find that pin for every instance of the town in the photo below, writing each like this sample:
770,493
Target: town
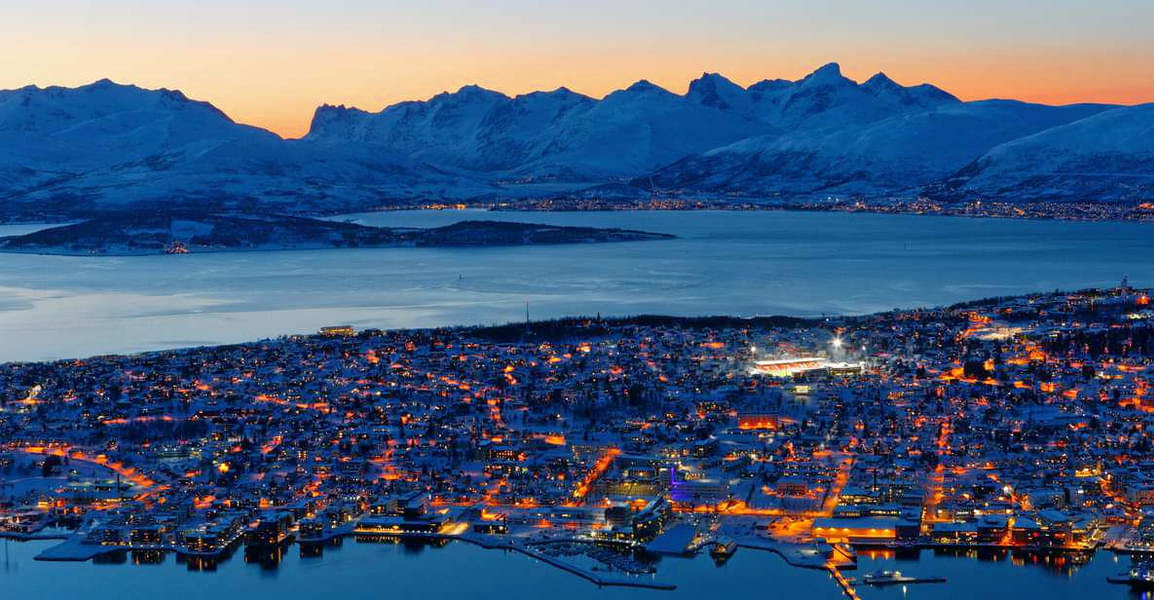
1016,423
680,200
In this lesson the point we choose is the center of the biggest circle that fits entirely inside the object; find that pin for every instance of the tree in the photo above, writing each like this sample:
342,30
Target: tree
50,463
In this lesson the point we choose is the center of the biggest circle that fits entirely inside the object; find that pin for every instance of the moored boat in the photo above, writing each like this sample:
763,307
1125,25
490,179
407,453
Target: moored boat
723,548
896,577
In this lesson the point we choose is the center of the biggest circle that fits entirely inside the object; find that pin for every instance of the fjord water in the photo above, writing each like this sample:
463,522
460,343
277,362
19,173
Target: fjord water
460,570
738,263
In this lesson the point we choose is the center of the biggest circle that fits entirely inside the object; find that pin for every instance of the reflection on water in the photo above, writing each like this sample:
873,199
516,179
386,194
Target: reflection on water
888,554
455,570
1061,563
267,557
148,557
199,563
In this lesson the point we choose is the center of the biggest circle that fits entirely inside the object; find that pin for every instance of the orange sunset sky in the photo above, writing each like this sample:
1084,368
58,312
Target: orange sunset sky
270,63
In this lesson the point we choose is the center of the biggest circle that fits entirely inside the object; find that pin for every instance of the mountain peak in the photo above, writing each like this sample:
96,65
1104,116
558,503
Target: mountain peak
125,92
711,81
467,93
826,74
475,91
562,95
105,84
336,108
880,81
712,89
921,95
712,77
471,88
564,92
330,119
645,86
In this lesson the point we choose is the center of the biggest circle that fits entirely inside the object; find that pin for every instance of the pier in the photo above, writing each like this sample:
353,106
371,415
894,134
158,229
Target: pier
490,543
843,582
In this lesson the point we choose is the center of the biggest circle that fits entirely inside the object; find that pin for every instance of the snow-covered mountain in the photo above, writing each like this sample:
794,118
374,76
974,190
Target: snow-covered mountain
567,136
68,152
84,126
1108,156
553,135
104,146
901,152
826,100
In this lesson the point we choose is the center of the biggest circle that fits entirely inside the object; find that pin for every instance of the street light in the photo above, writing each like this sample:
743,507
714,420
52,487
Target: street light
837,343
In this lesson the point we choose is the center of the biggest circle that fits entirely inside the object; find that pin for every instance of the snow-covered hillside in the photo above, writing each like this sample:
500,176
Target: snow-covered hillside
890,155
1108,156
106,146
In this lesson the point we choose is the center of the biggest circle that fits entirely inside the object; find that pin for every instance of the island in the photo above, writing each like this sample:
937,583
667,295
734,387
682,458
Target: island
183,232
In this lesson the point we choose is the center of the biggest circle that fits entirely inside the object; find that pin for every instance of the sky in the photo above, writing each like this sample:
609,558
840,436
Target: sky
270,63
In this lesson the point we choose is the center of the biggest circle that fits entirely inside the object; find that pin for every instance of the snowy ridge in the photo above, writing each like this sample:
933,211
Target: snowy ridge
107,147
563,135
104,147
892,155
1108,156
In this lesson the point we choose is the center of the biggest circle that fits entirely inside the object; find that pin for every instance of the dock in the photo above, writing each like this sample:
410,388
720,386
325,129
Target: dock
843,582
907,580
596,578
76,549
493,543
674,541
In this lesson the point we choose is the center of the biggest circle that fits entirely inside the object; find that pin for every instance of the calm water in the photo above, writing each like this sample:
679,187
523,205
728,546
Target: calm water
459,570
743,263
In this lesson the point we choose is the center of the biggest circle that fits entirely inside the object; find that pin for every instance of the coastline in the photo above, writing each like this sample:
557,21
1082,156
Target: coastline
305,248
73,549
1065,211
1056,211
184,233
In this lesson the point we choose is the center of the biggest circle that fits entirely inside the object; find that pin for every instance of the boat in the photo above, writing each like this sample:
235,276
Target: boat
723,548
1140,576
896,577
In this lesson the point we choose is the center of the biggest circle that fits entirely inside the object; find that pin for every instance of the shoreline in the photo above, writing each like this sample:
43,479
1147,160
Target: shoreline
177,233
74,550
1134,215
663,237
496,330
1009,211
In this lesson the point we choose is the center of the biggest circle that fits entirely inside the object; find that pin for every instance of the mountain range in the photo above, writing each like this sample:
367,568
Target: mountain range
107,147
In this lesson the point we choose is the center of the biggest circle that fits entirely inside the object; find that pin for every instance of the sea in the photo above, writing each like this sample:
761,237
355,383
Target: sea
358,569
722,262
